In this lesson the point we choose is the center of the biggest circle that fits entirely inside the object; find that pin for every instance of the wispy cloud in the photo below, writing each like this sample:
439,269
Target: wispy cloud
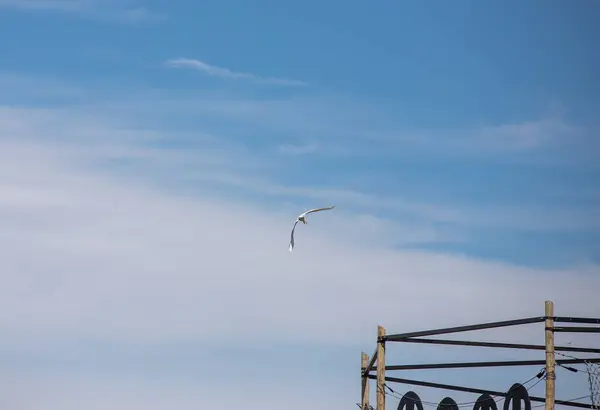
294,149
111,10
136,15
230,146
60,5
206,161
215,71
15,88
332,119
508,138
227,167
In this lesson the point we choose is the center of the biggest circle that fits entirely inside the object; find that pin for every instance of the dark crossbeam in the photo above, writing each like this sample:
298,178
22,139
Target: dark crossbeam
465,365
497,345
587,320
577,329
401,336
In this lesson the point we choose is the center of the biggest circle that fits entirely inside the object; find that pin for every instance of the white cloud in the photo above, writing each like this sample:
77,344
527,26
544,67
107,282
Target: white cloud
91,255
141,265
215,71
93,392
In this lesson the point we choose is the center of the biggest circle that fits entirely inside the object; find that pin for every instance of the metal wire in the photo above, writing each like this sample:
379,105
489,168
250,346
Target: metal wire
593,371
540,376
593,376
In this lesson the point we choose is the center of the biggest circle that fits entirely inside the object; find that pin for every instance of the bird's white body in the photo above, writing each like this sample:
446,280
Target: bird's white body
302,218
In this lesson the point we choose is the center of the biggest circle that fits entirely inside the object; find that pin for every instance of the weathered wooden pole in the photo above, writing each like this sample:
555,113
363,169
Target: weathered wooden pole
380,368
365,382
550,363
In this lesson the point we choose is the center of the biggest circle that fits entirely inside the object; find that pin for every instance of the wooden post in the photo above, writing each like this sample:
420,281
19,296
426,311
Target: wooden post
365,382
550,363
380,369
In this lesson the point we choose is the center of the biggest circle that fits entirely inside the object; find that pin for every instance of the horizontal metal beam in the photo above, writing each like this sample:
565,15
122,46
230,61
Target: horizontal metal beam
465,365
588,320
497,345
577,329
476,391
401,336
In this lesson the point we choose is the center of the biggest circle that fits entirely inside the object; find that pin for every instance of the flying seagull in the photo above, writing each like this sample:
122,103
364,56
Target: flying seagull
302,218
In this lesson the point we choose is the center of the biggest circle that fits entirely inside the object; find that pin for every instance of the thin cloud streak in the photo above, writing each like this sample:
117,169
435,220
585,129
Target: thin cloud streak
215,71
111,11
502,139
294,150
333,119
55,5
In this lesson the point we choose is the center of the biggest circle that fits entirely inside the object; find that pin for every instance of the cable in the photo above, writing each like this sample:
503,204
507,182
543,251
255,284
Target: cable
495,398
539,376
569,368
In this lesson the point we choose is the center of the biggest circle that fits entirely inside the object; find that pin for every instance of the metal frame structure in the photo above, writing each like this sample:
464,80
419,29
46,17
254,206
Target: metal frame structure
419,337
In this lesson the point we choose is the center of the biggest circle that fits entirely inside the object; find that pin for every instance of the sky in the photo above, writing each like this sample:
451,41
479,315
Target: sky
154,156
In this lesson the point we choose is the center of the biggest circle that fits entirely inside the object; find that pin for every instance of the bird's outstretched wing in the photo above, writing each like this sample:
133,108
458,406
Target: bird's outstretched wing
291,246
317,210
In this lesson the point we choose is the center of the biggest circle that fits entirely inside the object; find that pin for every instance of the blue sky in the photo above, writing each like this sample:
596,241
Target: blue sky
154,155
